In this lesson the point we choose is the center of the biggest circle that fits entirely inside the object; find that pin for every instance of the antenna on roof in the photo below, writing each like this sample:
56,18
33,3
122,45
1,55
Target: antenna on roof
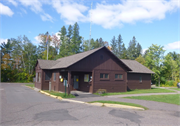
90,27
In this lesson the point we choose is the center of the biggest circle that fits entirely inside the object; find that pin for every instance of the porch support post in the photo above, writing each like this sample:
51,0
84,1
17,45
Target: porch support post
69,82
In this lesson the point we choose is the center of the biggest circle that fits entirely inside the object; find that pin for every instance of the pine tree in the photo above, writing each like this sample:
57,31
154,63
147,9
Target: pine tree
76,40
132,50
139,50
119,46
124,52
63,46
114,46
101,42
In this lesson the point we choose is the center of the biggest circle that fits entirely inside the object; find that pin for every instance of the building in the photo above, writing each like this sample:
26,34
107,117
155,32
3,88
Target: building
92,70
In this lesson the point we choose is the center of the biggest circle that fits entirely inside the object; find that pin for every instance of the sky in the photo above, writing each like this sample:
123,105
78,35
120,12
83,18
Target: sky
150,21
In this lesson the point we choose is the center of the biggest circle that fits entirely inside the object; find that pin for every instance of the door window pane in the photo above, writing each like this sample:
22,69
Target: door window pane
116,76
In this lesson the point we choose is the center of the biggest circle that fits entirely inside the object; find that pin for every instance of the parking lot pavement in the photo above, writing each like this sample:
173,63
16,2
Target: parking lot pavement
23,106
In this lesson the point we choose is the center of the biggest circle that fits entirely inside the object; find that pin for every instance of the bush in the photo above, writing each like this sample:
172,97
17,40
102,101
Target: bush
101,91
170,83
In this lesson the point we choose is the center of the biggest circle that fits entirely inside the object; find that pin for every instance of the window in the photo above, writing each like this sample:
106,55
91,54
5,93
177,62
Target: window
38,77
101,75
104,76
47,75
54,76
118,76
86,77
140,79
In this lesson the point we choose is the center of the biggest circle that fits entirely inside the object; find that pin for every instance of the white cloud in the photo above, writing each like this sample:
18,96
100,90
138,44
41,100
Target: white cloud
13,2
131,11
35,5
70,11
3,40
5,10
174,45
144,50
46,17
37,40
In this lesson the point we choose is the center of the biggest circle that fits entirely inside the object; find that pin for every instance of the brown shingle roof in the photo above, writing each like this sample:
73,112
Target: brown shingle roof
65,61
136,66
46,64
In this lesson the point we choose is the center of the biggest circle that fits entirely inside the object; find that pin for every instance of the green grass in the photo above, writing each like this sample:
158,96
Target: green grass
171,98
175,88
138,91
120,103
30,85
60,94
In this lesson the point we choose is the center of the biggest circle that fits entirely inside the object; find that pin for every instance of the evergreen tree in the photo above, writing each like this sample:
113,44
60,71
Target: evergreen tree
101,42
63,46
76,40
132,50
124,52
139,50
114,46
119,46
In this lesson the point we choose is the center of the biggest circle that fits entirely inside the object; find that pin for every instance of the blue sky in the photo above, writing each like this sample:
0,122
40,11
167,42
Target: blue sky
150,21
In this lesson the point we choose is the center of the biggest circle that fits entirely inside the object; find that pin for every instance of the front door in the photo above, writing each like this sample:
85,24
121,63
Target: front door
76,82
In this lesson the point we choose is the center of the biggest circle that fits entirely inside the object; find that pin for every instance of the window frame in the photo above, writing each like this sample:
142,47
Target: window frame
54,76
104,74
140,79
118,76
48,72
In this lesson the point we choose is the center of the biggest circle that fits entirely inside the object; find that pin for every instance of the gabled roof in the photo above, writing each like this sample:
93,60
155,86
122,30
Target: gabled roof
136,67
65,61
70,60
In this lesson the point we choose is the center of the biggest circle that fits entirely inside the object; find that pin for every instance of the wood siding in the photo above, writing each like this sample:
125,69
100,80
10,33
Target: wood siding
102,61
38,84
134,81
111,85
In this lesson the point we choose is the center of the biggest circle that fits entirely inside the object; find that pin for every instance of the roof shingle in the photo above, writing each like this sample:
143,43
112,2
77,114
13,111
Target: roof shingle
136,67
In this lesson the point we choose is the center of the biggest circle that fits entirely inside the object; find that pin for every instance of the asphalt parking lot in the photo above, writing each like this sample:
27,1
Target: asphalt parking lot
23,106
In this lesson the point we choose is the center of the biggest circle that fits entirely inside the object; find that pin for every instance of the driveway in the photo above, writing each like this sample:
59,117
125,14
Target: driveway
23,106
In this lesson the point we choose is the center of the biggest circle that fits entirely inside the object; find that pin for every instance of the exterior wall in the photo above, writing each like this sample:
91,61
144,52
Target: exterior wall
100,62
61,84
134,81
111,85
55,83
38,84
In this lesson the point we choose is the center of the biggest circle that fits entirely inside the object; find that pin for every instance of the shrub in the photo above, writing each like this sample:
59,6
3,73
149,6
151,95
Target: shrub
101,91
170,83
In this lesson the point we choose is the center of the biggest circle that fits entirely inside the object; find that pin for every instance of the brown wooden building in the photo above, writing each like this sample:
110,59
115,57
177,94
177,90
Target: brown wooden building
92,70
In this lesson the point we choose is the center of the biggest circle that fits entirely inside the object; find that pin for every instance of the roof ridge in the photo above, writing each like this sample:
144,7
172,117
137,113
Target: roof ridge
80,53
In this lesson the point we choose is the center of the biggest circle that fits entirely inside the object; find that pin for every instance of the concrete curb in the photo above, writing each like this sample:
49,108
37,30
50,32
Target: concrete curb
57,97
116,106
28,87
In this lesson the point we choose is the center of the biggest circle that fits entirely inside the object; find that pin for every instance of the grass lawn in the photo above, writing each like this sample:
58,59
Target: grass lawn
175,88
30,85
120,103
138,91
60,94
171,98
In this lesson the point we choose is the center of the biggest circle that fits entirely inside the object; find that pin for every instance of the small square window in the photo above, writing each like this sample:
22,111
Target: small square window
106,75
120,76
101,75
116,76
